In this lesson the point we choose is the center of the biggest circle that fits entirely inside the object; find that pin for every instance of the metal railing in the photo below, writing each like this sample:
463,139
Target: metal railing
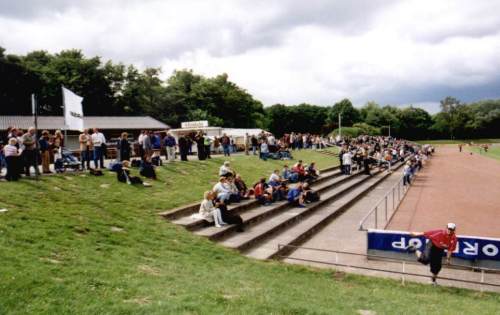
396,193
403,262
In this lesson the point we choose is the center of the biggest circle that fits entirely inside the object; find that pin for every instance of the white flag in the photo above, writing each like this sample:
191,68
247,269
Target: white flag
73,113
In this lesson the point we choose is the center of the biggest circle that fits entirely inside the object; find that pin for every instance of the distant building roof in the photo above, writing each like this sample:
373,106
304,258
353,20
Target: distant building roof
101,122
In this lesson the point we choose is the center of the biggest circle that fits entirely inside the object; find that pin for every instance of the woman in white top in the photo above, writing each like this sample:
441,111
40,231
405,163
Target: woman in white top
208,212
12,154
347,161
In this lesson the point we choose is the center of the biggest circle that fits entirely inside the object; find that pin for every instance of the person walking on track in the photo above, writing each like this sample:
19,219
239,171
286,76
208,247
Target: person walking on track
439,241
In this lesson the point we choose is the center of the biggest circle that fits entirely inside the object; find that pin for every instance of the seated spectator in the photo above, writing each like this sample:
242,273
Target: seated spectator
263,193
225,170
288,175
244,192
147,169
11,153
208,211
295,196
228,217
309,194
275,179
300,170
284,153
235,194
312,171
222,191
123,175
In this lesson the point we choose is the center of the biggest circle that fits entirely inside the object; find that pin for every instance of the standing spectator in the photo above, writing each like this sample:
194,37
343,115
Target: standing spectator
30,152
147,145
407,173
200,145
170,146
183,147
255,144
346,162
246,141
140,142
124,147
98,141
207,143
58,139
342,168
45,151
264,150
226,143
85,145
11,153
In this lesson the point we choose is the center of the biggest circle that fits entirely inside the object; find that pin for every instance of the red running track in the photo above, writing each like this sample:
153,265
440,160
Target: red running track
453,187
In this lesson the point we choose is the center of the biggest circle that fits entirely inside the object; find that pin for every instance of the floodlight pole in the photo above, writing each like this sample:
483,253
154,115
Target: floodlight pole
340,126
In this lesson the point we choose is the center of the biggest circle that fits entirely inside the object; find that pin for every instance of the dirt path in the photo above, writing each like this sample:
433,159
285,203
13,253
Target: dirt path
454,187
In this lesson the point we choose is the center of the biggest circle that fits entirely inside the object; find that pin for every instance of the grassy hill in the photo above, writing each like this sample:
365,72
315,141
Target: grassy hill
90,245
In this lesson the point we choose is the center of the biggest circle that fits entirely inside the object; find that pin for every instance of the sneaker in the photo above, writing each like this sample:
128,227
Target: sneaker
218,225
434,283
301,206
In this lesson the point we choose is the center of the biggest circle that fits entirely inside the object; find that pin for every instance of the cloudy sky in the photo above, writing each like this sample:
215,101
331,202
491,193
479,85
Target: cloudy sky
287,51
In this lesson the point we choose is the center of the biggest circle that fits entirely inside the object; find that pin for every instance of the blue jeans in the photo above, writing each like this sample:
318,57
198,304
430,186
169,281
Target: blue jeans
98,157
226,148
254,149
263,155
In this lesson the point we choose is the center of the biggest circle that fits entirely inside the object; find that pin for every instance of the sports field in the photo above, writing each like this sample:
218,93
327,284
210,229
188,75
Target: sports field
461,187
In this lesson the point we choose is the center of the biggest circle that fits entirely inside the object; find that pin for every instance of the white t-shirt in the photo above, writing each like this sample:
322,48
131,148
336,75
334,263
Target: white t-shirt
274,178
347,158
98,139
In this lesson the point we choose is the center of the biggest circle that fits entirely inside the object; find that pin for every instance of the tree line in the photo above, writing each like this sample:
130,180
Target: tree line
117,89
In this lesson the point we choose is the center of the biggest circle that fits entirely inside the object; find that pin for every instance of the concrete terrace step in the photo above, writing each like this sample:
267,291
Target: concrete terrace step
193,224
191,208
295,234
256,214
300,231
256,233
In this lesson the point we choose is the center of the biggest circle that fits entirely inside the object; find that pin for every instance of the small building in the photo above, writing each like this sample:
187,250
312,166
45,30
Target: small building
190,128
110,126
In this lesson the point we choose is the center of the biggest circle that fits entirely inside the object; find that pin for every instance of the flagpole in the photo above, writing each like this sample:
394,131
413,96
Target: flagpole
64,115
37,145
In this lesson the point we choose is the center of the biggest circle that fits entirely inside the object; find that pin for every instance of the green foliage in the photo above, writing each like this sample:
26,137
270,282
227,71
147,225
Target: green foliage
300,118
349,114
118,89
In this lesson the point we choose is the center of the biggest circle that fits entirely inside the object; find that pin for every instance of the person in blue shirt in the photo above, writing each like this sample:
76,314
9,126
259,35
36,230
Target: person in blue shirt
295,196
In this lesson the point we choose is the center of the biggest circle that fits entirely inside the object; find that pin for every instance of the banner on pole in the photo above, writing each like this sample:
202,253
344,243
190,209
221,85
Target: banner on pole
73,113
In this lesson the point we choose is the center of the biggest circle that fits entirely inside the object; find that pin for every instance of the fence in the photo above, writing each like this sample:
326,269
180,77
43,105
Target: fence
383,211
403,262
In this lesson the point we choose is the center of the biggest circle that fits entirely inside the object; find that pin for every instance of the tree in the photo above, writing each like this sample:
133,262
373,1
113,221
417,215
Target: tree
415,123
349,114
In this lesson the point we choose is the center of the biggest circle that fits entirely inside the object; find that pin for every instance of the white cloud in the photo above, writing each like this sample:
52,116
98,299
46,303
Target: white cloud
286,51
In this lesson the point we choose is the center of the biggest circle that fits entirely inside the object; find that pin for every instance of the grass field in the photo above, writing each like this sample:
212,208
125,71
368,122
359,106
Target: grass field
90,245
457,141
493,152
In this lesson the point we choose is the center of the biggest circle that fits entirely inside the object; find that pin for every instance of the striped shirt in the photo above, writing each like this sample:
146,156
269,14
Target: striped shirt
10,150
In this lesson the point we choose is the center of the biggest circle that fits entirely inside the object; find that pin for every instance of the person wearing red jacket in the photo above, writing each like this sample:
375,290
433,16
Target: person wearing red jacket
439,241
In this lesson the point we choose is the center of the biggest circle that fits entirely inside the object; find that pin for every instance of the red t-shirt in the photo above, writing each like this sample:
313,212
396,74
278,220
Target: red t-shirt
441,239
259,190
